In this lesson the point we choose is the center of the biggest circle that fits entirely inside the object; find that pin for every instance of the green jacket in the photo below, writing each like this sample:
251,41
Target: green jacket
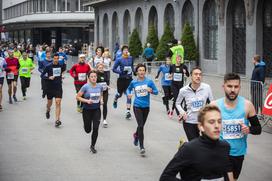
177,50
25,67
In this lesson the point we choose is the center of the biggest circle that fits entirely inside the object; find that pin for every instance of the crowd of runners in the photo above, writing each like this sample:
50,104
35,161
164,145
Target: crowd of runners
216,130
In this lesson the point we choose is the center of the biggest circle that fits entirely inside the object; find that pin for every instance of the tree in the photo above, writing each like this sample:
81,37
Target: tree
152,37
135,44
188,43
166,38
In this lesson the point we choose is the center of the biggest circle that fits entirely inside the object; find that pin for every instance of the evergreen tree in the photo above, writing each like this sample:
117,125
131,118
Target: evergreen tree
188,43
152,37
166,38
135,44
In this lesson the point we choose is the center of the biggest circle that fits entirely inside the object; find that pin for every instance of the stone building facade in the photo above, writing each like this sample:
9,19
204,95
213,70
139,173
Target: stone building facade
227,32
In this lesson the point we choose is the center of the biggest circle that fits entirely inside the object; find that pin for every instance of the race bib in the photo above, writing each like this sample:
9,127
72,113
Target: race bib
56,72
197,104
177,77
232,128
30,54
215,179
167,76
10,75
95,97
128,69
81,76
24,70
103,85
141,90
61,57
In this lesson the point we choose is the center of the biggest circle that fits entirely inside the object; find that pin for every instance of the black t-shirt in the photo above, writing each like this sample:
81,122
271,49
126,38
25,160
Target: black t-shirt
53,70
201,158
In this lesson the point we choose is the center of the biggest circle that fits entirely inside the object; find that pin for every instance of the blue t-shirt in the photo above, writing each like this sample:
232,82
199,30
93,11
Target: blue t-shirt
165,69
93,93
231,128
142,96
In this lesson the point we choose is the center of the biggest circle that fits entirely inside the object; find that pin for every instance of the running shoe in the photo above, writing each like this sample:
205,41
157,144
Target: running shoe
24,98
114,104
93,150
142,151
170,114
79,109
128,116
10,100
47,114
57,123
105,124
135,139
15,99
1,108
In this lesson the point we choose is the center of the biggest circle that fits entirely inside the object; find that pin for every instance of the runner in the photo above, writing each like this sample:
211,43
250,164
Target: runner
193,97
12,75
177,72
166,84
26,66
79,72
103,82
107,65
124,67
16,52
53,87
238,120
98,57
204,158
91,97
142,87
42,64
3,66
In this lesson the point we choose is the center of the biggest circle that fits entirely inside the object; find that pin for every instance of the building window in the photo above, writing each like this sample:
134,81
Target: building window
61,5
51,5
210,23
188,14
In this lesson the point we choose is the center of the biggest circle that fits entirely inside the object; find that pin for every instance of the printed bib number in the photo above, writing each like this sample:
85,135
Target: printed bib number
177,76
56,72
197,104
141,90
103,85
24,70
232,129
128,69
167,76
10,76
30,54
95,97
215,179
82,76
61,57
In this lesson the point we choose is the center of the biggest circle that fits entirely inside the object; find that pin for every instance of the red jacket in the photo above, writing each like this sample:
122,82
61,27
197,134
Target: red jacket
12,65
79,73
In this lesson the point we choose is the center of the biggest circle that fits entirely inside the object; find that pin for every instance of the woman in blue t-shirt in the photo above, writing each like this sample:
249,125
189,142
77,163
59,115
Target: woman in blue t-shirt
143,87
91,95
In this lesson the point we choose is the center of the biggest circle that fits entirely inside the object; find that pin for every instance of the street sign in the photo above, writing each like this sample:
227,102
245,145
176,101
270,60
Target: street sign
267,108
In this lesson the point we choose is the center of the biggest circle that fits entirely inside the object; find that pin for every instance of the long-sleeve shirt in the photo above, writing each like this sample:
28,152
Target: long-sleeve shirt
42,64
165,80
79,73
12,65
201,158
3,65
193,100
148,53
123,67
142,96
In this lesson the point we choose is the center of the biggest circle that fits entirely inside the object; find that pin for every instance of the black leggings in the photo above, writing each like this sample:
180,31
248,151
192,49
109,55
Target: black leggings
175,90
141,116
105,107
167,96
91,118
191,130
25,82
78,87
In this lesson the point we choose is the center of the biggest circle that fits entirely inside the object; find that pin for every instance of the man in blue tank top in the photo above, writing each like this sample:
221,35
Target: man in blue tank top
238,120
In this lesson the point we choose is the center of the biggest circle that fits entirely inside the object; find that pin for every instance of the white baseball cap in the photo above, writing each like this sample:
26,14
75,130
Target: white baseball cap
82,55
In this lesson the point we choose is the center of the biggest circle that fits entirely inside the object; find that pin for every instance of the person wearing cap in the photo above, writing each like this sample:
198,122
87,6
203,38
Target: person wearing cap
12,75
79,72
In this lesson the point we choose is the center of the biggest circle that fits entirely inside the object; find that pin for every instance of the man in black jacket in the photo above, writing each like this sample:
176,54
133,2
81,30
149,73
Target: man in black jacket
257,80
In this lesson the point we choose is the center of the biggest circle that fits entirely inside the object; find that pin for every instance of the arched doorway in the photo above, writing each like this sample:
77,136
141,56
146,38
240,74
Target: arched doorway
153,18
126,27
115,30
105,31
188,14
169,16
267,36
237,15
139,21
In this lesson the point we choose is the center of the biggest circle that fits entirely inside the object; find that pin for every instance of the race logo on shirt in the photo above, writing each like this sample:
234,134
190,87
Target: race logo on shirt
232,129
141,90
56,72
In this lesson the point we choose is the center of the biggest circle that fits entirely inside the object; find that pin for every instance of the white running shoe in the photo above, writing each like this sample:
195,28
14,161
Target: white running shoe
105,124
